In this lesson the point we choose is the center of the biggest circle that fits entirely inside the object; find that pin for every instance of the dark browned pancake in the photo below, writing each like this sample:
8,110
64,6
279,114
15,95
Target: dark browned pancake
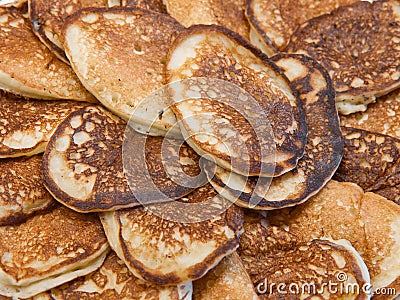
362,57
323,149
84,168
154,5
372,161
27,125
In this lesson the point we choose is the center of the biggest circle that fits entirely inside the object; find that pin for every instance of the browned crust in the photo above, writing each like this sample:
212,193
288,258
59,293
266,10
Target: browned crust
294,153
153,5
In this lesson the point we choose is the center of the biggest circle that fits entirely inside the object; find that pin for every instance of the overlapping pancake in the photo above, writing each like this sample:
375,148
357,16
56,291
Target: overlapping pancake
228,13
22,192
382,116
48,18
27,125
114,281
154,5
29,69
273,22
85,170
228,280
48,250
15,3
224,125
361,57
323,149
162,251
276,258
119,55
343,211
372,161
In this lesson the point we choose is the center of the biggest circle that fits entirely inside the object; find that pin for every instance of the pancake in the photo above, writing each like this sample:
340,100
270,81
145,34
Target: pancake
22,192
48,250
323,149
84,167
275,257
27,125
256,85
29,69
360,67
382,117
15,3
48,18
134,45
368,221
372,161
228,280
273,22
228,13
154,5
113,281
166,252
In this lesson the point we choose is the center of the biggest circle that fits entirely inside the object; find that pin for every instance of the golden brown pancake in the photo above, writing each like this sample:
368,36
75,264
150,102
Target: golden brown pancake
368,221
212,120
273,256
27,125
323,149
154,5
162,251
48,18
227,13
29,69
372,161
15,3
273,22
84,168
228,280
112,280
361,57
382,117
48,250
22,192
123,65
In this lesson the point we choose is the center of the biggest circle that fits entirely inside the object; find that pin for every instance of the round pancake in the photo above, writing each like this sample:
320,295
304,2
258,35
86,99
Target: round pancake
48,18
48,250
221,55
29,69
368,221
227,13
22,192
361,57
323,149
383,116
27,125
112,281
84,167
119,55
167,252
372,161
153,5
275,257
273,22
228,280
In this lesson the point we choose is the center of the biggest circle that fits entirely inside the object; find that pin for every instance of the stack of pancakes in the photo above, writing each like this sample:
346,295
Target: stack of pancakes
185,150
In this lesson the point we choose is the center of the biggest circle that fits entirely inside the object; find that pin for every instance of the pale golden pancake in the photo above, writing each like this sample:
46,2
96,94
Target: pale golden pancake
48,250
27,125
323,151
22,192
224,127
28,68
343,211
123,64
228,280
361,57
85,170
167,252
372,161
274,21
227,13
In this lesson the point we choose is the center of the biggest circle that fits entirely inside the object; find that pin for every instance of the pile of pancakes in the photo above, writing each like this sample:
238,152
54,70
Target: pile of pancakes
194,149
